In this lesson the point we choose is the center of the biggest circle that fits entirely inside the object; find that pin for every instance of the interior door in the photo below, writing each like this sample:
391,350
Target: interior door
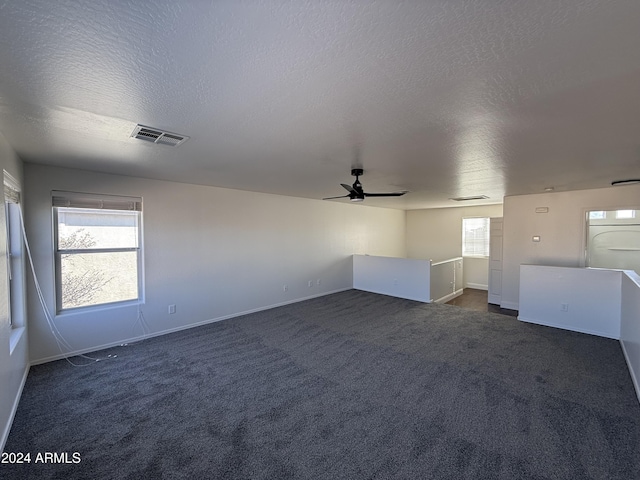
495,261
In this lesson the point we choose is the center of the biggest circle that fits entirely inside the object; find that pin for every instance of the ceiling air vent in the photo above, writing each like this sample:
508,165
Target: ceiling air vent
158,136
464,199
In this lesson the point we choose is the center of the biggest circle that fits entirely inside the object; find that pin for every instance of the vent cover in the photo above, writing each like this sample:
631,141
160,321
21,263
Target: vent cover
158,136
464,199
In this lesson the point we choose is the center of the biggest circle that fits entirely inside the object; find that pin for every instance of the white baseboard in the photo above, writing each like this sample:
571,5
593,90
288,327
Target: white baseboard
177,329
392,294
14,409
564,327
634,374
451,296
477,286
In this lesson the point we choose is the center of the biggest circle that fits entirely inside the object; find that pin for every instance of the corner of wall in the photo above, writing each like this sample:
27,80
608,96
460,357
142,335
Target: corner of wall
14,363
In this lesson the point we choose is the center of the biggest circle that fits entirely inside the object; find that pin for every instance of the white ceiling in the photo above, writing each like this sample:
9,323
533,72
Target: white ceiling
443,98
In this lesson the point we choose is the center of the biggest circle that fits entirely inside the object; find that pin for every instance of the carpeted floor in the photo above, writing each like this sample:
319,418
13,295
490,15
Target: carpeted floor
348,386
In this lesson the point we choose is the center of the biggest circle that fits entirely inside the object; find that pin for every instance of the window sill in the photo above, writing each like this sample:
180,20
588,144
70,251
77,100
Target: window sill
14,339
98,308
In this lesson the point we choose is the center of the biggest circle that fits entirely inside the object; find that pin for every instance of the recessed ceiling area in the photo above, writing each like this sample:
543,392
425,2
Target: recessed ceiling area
452,99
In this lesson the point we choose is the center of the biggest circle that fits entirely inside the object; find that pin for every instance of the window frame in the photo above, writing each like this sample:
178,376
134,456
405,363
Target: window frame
610,219
486,220
13,263
14,252
58,253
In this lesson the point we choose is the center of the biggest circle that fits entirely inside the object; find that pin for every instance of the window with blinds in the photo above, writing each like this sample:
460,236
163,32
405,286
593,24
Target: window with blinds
475,237
97,249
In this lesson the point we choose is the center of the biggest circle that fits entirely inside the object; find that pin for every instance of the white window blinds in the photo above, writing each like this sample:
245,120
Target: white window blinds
11,188
475,237
102,202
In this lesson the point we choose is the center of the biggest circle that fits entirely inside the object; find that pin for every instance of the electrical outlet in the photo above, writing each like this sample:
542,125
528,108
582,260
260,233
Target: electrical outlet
310,283
172,309
318,282
564,307
285,288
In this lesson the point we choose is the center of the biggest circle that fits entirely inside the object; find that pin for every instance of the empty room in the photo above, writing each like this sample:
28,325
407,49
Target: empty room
368,239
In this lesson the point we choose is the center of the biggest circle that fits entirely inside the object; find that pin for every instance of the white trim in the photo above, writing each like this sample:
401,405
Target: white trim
378,291
448,297
634,376
454,259
14,409
180,328
572,329
477,286
14,338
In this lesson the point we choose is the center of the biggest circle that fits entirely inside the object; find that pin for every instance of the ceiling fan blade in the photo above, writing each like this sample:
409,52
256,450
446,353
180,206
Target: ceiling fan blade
349,188
341,196
390,194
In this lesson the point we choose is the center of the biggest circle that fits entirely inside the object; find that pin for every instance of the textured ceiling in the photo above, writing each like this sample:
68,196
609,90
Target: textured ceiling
442,98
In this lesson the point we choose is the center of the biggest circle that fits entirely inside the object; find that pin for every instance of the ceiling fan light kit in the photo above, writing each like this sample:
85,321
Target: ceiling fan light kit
356,192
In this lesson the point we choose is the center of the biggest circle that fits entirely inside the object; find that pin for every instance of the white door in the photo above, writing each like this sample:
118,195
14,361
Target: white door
495,261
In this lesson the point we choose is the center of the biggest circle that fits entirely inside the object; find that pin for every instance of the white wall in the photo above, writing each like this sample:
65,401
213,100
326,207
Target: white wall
476,273
591,296
14,363
398,277
630,325
212,252
599,302
561,230
436,234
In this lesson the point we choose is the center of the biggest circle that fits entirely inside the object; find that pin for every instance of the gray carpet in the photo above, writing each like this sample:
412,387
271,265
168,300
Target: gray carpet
348,386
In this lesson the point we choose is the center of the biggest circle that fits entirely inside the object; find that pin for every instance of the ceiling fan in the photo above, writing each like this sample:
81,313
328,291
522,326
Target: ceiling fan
356,194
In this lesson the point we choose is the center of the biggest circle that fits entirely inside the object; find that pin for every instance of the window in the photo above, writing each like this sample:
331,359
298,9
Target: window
622,214
475,237
97,249
15,262
612,240
596,215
